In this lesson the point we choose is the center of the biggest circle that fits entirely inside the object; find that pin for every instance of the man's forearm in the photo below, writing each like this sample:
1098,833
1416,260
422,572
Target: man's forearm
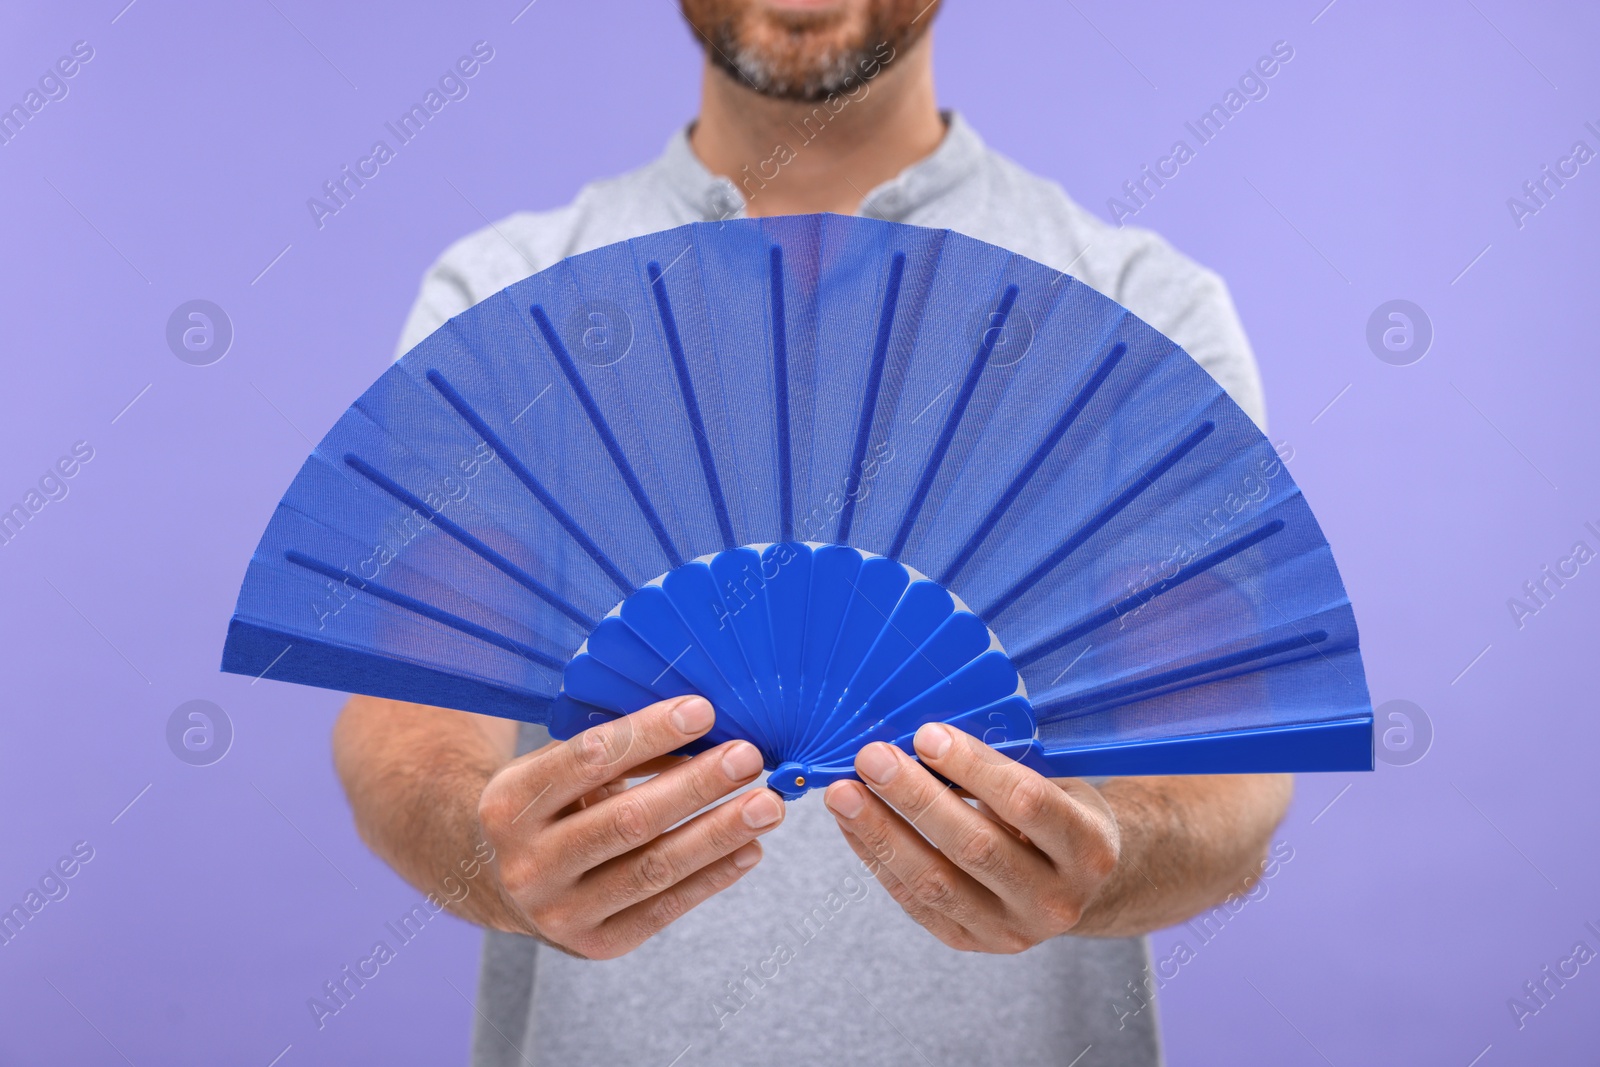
1187,843
413,775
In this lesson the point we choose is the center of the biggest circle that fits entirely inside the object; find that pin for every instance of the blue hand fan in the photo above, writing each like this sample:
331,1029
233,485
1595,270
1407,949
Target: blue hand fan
842,477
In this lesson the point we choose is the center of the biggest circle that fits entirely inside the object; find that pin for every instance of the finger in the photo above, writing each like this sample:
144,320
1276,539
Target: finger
556,775
655,766
967,837
633,926
937,925
934,881
628,819
596,796
681,851
998,821
1066,819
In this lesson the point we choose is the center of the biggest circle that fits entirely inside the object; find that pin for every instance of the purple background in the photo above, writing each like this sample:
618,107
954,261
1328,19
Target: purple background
1378,167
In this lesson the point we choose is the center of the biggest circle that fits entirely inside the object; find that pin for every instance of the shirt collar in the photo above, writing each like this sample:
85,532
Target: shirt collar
712,197
683,175
956,160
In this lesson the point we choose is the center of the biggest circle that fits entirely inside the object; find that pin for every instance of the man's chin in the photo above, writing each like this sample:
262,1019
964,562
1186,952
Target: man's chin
801,50
800,60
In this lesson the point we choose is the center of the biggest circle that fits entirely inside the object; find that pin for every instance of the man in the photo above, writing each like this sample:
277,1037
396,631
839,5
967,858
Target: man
628,929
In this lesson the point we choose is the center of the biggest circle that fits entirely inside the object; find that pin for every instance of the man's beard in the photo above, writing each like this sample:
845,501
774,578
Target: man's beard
805,57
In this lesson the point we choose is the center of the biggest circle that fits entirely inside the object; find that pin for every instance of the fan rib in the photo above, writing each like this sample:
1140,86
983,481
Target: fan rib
596,683
752,635
618,646
564,358
1035,461
511,570
923,608
1103,516
984,679
957,642
885,580
691,404
958,411
833,567
869,402
653,615
1139,599
439,615
780,383
688,591
788,592
1096,699
526,477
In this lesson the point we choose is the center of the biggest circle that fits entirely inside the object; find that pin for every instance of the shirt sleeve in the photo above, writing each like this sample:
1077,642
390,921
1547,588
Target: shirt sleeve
445,293
1191,305
481,264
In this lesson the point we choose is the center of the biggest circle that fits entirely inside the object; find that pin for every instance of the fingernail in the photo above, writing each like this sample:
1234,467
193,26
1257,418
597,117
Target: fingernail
878,763
762,809
932,740
741,761
747,857
693,715
845,799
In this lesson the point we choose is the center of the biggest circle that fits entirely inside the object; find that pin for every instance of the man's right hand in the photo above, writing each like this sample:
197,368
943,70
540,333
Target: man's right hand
595,867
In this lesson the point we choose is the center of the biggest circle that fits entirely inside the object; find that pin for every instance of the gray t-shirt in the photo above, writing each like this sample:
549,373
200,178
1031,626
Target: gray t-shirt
806,959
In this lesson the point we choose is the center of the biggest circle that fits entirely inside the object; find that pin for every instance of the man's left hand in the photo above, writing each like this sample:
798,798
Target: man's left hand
1019,868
